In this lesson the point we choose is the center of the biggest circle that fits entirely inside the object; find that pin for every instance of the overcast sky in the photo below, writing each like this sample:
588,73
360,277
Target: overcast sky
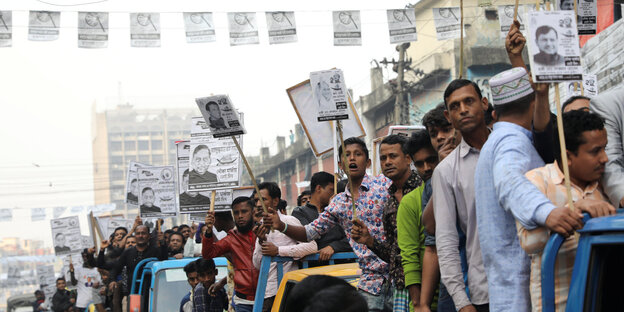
48,88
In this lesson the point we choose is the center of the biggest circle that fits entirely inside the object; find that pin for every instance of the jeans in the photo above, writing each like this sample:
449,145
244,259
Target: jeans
381,302
241,307
445,301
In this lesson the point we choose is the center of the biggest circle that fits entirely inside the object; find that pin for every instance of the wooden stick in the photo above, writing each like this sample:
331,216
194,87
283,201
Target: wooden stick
346,170
537,5
253,179
562,146
516,10
213,194
95,225
461,38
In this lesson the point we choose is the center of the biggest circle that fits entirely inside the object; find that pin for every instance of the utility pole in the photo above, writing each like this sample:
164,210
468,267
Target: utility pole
401,109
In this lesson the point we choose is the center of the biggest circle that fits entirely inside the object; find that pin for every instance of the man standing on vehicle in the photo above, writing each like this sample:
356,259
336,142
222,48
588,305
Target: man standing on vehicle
186,305
240,244
62,301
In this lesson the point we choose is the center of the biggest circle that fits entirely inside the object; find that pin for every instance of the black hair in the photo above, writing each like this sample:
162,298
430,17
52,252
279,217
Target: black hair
515,107
190,267
354,140
457,84
133,180
199,148
183,226
342,185
60,279
435,118
120,228
304,193
544,29
321,179
185,173
38,291
419,140
488,114
204,266
57,234
169,232
147,189
212,103
272,189
336,293
281,205
243,199
572,99
178,233
574,124
396,139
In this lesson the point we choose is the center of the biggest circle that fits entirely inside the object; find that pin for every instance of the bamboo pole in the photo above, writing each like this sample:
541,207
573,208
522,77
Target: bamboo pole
213,194
562,146
461,38
516,10
346,169
253,179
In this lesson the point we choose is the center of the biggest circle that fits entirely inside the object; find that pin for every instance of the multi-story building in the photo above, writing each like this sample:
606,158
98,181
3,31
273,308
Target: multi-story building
126,134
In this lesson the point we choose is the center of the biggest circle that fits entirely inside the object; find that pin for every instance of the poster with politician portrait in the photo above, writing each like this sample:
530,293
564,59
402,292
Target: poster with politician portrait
220,115
157,191
66,235
132,183
214,162
554,46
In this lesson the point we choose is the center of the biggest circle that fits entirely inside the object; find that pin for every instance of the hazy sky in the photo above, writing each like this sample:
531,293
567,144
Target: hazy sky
48,88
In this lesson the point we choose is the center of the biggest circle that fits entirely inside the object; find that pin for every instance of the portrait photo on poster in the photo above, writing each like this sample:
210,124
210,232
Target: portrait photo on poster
132,183
220,116
157,187
66,235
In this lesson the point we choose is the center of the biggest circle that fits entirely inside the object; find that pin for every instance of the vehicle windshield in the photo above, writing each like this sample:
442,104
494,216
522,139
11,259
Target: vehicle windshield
171,286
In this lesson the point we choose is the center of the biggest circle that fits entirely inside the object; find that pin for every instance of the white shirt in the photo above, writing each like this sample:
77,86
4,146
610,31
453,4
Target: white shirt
86,279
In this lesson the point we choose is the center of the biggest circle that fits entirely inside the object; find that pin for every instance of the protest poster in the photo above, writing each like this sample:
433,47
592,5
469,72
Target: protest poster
572,88
45,275
347,28
402,25
87,241
66,235
199,27
132,183
506,17
221,116
197,216
243,28
214,162
590,85
92,29
603,54
113,223
587,17
554,46
330,94
37,214
145,30
43,25
157,186
76,260
320,134
6,29
281,26
447,22
6,215
193,201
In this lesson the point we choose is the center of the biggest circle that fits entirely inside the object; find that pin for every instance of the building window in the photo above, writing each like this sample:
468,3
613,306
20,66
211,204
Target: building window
130,145
117,175
144,159
115,146
157,159
157,144
116,160
143,145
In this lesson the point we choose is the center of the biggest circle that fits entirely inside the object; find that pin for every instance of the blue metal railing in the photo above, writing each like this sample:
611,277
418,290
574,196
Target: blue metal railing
138,270
265,267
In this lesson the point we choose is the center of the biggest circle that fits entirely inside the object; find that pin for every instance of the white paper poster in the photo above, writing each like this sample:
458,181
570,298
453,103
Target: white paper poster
554,47
37,214
66,235
330,94
87,241
145,30
199,27
6,28
506,16
6,215
132,183
194,201
282,27
243,28
214,162
92,29
45,275
447,22
587,17
157,191
76,260
220,115
114,223
402,25
347,28
590,85
43,25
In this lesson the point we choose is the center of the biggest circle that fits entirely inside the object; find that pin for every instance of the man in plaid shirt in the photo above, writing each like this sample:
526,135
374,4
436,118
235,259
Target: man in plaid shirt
205,298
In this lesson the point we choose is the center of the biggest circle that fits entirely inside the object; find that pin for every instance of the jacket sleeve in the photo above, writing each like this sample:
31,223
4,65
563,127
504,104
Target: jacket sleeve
210,249
257,255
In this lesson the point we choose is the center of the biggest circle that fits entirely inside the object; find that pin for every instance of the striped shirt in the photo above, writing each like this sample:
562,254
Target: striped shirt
550,181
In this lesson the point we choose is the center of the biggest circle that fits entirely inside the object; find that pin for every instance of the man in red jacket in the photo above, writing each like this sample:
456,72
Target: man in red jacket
240,244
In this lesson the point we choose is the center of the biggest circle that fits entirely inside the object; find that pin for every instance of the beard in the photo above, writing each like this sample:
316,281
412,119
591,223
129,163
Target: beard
245,228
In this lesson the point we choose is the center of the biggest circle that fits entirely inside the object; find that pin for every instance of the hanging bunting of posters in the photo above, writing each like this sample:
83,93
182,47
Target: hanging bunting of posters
347,28
43,25
199,27
447,22
6,215
243,28
402,25
6,29
37,214
145,30
282,27
92,30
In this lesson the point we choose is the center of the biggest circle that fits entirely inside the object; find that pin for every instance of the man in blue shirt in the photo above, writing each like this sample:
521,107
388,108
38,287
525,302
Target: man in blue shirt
191,276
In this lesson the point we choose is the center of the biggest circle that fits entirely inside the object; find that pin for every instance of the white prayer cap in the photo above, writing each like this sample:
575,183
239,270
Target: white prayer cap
510,85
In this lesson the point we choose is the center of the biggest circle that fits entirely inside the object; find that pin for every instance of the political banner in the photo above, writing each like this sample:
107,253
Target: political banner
587,17
447,23
330,94
145,30
92,29
132,183
281,26
157,186
43,25
197,216
6,215
243,28
6,29
76,260
603,54
113,223
37,214
347,28
506,17
590,85
402,25
214,162
220,115
45,275
87,241
66,235
554,47
199,27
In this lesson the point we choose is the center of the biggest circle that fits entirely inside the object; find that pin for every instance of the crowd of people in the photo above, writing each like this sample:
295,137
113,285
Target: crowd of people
458,220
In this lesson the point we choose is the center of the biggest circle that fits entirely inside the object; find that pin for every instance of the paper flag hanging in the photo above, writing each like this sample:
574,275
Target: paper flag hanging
43,25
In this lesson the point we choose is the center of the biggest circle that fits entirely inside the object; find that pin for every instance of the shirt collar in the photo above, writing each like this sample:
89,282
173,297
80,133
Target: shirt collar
557,177
412,182
365,186
507,126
